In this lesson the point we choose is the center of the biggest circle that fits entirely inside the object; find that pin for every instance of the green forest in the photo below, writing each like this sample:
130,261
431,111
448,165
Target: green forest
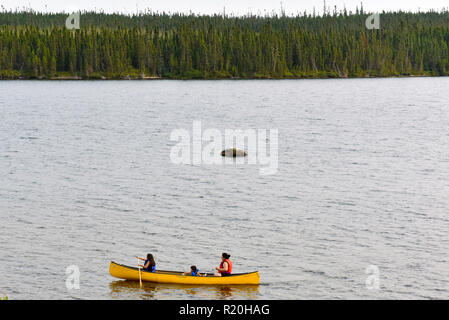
148,45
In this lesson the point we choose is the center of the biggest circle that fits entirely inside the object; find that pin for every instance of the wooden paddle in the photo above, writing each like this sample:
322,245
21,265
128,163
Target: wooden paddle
140,274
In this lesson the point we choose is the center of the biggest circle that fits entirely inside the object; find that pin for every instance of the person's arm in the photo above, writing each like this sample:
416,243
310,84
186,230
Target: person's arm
225,267
140,258
147,265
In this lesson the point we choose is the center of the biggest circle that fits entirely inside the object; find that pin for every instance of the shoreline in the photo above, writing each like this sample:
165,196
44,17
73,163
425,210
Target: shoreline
103,78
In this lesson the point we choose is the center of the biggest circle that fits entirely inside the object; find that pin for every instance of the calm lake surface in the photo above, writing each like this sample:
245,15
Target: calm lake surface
361,190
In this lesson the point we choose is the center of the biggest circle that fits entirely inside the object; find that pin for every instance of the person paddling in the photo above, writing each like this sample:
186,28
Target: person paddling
225,268
149,264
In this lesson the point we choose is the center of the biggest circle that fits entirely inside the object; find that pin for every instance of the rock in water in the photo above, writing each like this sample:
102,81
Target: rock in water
233,152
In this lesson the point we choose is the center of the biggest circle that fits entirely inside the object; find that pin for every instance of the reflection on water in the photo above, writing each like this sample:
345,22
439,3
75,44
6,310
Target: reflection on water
126,289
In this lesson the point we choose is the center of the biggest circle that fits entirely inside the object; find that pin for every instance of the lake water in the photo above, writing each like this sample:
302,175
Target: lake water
361,192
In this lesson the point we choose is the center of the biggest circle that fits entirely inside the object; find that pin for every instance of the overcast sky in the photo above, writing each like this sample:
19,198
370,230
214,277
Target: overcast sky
216,6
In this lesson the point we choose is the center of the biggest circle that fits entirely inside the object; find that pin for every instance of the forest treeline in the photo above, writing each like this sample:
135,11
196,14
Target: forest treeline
147,45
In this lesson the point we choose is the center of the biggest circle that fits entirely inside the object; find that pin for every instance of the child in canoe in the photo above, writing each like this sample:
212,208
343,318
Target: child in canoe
149,264
193,272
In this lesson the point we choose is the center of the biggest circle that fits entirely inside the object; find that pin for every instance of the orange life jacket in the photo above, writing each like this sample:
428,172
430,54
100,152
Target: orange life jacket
229,266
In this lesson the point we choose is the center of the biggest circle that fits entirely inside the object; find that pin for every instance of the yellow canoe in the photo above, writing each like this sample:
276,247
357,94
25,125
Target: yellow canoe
160,276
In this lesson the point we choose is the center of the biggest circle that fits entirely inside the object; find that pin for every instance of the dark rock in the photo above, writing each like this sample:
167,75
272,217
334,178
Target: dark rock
233,152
